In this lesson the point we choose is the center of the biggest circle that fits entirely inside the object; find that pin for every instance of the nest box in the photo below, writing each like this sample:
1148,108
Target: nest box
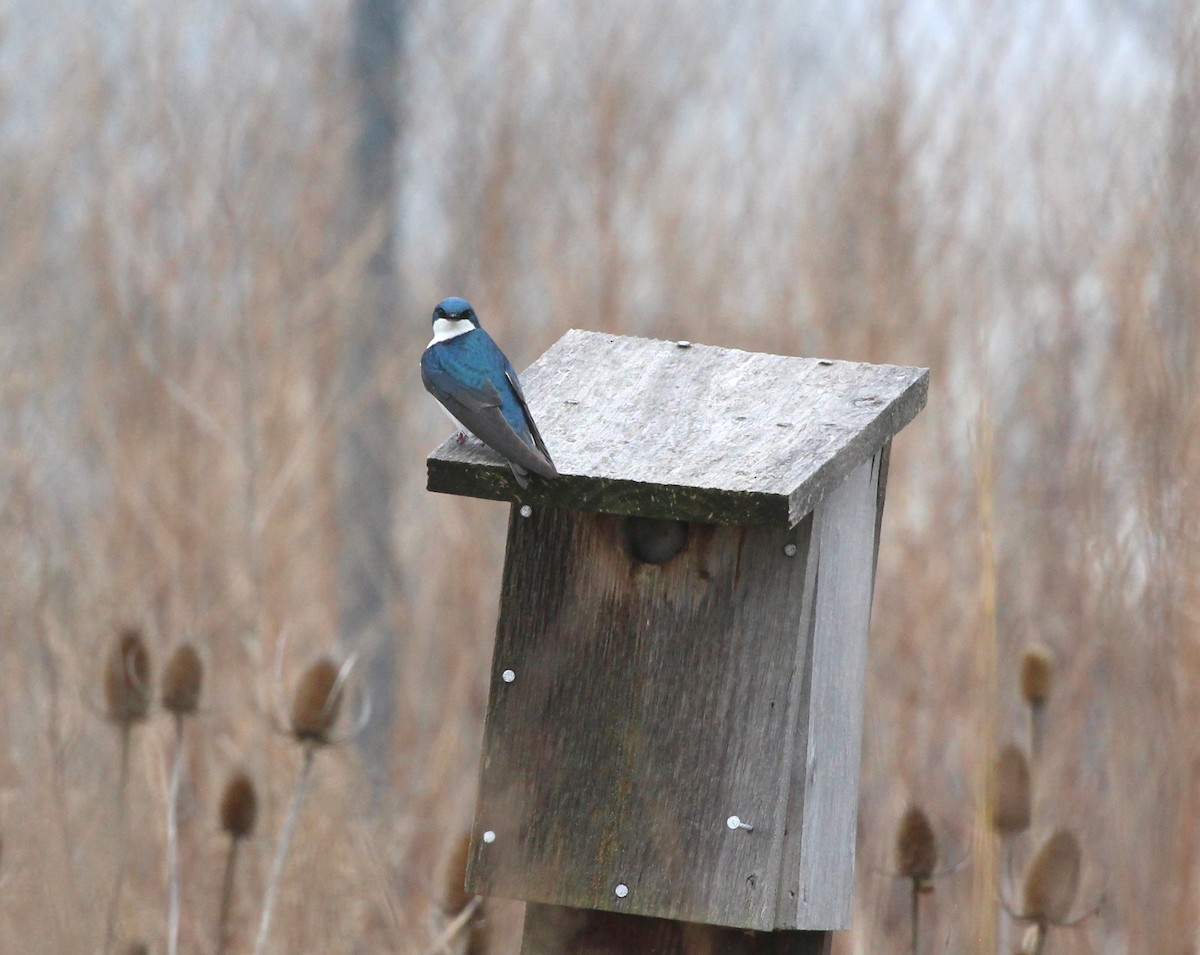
676,705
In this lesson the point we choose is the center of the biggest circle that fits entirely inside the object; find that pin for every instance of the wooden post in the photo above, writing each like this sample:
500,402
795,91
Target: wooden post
558,930
670,760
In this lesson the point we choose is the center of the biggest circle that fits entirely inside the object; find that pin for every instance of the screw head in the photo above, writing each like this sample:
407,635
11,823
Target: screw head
789,550
508,676
526,510
489,837
621,890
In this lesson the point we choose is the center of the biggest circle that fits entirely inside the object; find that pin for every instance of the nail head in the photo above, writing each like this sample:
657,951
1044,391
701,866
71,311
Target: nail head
489,837
508,676
526,510
621,890
789,550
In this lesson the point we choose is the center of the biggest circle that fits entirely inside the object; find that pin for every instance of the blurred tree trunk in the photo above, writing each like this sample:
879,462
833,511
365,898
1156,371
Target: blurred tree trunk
367,572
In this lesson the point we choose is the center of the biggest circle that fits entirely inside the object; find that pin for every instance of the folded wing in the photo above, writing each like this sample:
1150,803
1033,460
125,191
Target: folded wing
478,408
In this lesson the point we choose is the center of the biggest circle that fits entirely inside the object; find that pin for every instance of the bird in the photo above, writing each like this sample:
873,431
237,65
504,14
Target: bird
468,373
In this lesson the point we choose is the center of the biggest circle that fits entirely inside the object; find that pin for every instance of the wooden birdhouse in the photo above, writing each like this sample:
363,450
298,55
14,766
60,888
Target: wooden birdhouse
676,705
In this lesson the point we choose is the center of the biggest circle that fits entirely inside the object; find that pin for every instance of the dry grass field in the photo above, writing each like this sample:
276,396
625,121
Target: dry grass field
1006,193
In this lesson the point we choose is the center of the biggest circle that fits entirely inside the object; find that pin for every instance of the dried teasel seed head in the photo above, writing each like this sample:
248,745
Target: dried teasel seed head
1037,675
916,846
181,681
127,679
455,896
1053,879
239,806
1012,808
317,702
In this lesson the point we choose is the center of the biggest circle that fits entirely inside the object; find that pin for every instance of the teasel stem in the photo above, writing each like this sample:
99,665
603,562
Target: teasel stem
314,712
181,683
285,838
127,697
462,920
916,914
173,841
110,924
226,895
239,810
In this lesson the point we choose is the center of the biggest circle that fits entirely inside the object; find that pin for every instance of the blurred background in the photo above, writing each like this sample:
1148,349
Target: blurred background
223,226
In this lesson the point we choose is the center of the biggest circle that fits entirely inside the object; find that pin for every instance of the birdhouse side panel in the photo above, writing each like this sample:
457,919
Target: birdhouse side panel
818,890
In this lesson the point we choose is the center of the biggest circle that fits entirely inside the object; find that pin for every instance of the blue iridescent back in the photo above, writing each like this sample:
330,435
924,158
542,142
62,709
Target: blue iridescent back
474,360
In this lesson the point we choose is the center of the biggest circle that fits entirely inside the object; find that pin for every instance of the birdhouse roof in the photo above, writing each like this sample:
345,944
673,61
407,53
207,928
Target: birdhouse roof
691,432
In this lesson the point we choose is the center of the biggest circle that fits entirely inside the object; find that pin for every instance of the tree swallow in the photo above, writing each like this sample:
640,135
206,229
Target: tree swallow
465,370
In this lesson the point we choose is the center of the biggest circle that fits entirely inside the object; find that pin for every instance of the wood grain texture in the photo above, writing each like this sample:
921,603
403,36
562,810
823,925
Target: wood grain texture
715,435
824,783
556,930
649,702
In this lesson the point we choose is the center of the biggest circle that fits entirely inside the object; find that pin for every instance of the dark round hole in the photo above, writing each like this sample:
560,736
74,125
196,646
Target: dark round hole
655,541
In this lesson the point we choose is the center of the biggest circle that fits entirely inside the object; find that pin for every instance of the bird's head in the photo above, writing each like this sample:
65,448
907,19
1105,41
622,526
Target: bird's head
454,310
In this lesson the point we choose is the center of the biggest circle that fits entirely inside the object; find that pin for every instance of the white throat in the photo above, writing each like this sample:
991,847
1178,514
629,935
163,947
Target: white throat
444,329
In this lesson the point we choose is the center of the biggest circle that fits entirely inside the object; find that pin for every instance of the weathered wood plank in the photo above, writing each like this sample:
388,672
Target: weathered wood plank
556,930
648,703
638,426
819,854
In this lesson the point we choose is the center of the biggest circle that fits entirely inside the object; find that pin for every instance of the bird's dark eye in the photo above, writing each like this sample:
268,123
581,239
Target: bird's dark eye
439,312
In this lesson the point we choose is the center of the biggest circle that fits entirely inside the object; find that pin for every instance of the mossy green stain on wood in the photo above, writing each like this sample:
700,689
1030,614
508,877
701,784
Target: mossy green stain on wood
493,481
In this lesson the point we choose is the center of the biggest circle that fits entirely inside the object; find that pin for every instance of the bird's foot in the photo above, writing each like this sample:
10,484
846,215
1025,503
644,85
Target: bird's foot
460,438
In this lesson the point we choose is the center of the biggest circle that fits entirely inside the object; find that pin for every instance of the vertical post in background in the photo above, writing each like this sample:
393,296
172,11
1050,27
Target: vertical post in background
367,566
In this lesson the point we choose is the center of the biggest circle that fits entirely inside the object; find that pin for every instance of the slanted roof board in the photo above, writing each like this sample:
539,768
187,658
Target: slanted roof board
698,433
